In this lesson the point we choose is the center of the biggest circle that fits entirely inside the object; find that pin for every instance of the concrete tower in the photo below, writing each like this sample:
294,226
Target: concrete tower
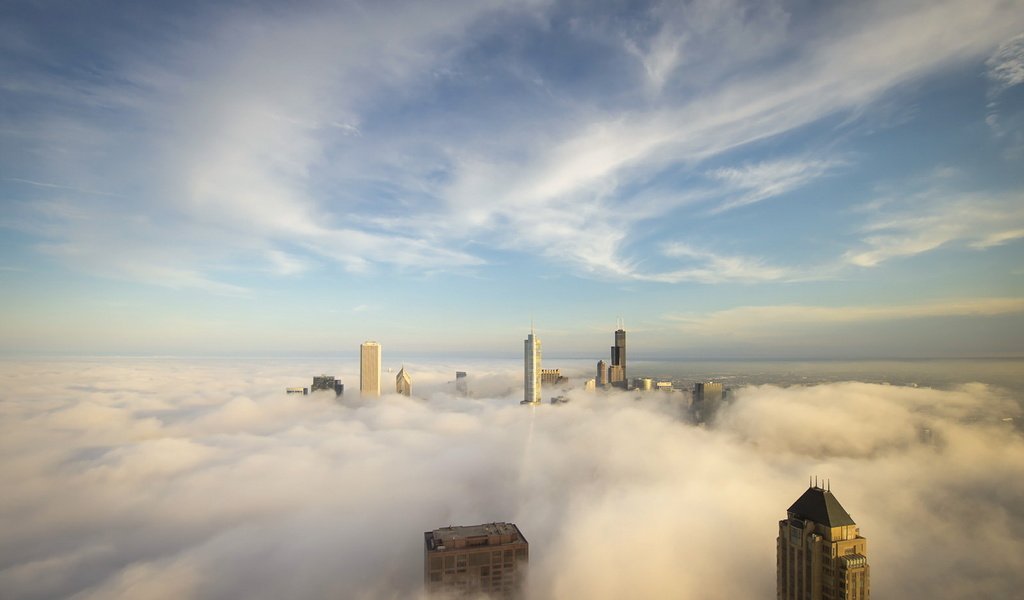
820,552
531,369
369,369
403,383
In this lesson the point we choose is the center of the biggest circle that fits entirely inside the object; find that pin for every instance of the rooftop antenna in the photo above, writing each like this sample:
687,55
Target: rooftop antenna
829,484
808,481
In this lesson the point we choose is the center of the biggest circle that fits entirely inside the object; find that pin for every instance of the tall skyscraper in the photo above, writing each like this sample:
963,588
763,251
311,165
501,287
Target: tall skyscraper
475,560
531,369
461,386
617,370
602,374
369,369
820,552
403,383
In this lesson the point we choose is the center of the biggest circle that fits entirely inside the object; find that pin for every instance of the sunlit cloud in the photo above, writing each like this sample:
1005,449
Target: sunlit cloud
183,478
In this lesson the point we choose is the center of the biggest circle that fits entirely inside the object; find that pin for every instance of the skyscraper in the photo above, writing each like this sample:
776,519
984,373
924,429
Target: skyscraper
820,552
617,370
403,383
531,369
461,387
602,374
369,369
327,382
475,560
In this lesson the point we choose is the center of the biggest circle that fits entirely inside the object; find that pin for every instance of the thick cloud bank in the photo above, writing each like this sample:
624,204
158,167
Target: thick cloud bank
185,479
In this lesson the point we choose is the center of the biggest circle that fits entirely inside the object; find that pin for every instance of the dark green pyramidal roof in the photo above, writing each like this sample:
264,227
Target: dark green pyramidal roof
821,507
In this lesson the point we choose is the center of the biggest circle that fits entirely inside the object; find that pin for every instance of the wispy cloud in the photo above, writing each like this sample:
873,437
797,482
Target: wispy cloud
752,183
304,134
709,267
929,220
776,319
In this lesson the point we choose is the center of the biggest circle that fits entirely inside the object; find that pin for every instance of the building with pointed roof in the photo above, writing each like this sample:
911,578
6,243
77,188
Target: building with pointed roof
403,383
820,552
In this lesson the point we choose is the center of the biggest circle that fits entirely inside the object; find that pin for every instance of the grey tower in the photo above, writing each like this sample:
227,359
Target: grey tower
617,370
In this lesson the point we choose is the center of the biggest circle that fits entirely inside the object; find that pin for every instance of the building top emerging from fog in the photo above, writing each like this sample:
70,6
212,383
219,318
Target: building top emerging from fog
821,554
483,559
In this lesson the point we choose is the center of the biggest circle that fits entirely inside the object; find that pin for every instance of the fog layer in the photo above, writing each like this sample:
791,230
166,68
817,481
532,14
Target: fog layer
185,479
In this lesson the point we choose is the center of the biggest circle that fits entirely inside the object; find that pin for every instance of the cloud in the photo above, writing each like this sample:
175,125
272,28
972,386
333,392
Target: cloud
759,320
753,183
201,480
709,267
1006,65
934,218
256,132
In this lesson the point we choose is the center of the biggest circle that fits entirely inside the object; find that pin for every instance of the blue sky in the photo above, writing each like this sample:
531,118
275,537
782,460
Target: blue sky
734,179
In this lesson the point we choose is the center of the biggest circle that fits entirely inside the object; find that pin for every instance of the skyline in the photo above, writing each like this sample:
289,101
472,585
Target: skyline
734,179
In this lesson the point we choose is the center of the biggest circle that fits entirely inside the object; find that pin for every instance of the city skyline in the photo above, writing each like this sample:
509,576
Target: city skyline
829,180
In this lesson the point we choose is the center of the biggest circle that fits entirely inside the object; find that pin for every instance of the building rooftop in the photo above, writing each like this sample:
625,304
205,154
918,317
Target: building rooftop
460,536
820,506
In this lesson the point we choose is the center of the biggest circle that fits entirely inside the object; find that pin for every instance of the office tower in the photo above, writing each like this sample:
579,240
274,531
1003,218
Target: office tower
602,374
707,396
645,384
551,376
617,376
461,388
531,370
820,552
475,560
403,383
617,370
329,383
369,369
590,385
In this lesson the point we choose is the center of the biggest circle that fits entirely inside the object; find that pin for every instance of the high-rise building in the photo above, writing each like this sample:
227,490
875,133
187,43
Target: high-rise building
590,385
461,388
617,370
327,382
617,376
475,560
602,374
403,383
820,552
552,376
531,369
369,369
707,396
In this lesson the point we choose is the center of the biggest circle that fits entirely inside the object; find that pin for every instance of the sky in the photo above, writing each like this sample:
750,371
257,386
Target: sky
733,179
196,478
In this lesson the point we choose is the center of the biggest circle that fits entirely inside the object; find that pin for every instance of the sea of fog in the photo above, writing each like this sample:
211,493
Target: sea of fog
200,478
